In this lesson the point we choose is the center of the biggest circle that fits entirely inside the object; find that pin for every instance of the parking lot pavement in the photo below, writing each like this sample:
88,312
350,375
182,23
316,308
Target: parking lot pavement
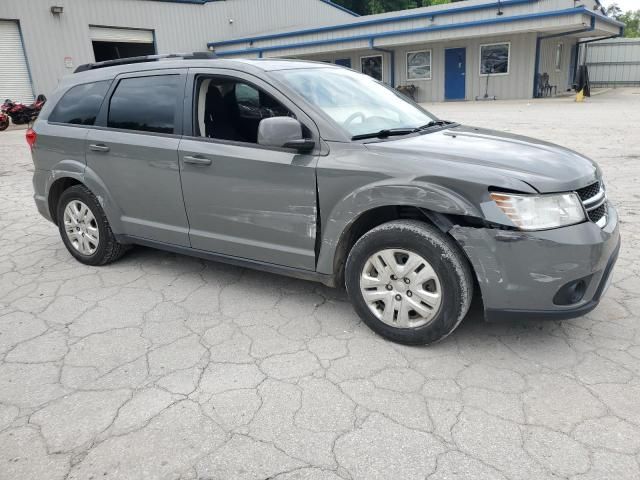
164,366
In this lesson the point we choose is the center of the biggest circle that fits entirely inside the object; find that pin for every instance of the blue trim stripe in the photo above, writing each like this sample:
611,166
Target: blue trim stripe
374,21
435,28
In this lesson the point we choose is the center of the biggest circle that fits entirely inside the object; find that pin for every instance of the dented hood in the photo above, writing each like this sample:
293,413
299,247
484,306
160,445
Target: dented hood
544,166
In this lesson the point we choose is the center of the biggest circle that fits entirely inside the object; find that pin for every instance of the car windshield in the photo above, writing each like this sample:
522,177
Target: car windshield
356,102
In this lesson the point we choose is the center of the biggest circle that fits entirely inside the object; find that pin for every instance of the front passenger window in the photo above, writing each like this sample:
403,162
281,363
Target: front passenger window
227,109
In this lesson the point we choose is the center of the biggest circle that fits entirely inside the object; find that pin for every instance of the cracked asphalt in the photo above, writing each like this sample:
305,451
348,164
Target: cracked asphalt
164,366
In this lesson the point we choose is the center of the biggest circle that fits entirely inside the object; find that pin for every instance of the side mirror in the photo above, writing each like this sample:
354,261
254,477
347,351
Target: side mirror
283,132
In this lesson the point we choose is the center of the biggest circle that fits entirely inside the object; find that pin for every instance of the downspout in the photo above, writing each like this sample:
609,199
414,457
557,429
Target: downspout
536,70
392,59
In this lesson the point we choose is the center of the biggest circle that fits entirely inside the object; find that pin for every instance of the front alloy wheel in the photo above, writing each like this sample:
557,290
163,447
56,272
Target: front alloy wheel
409,282
401,288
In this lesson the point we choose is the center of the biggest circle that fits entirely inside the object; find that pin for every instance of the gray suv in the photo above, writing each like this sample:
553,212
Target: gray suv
319,172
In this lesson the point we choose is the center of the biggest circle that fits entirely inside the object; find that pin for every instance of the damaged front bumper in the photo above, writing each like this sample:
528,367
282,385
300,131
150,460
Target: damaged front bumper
552,274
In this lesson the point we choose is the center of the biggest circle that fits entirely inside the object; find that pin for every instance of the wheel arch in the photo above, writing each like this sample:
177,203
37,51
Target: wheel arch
91,181
349,217
55,192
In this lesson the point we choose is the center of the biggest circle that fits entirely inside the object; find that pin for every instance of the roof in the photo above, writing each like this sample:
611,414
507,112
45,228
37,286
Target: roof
404,22
202,2
246,65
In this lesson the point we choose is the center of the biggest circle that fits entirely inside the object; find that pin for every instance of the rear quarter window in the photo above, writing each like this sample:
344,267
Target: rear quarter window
81,104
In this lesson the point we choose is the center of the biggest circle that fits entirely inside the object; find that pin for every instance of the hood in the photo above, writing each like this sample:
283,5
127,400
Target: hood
544,166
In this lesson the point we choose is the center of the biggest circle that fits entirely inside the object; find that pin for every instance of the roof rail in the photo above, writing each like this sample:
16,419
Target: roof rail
146,58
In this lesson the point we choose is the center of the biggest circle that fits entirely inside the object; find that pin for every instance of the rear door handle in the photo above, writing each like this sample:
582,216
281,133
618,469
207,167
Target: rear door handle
197,160
98,147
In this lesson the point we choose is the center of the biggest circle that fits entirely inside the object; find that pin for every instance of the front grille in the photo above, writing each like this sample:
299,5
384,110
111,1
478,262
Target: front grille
589,191
597,213
594,199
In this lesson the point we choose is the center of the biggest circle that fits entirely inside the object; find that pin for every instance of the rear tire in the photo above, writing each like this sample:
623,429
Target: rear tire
4,124
409,282
84,228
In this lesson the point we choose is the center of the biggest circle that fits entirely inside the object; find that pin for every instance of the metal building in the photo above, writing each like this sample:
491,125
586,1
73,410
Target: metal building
614,62
459,51
43,40
464,50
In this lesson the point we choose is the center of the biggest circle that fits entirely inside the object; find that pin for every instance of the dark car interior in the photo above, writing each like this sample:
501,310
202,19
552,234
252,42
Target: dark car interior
231,110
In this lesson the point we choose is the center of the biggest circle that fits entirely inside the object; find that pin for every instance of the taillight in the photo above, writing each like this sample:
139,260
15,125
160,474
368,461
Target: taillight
31,137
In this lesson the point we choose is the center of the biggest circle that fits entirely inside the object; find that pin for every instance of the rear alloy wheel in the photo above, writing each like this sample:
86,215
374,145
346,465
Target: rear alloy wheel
81,228
84,228
409,282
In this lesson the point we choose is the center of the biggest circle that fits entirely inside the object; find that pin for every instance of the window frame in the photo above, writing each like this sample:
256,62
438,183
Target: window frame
101,121
430,77
81,125
558,58
381,65
508,59
190,111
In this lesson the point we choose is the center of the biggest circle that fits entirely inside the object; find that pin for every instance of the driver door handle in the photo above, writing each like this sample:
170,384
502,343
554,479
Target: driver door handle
197,160
98,147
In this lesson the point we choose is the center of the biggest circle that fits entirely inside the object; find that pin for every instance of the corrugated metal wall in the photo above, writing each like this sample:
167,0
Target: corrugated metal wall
178,27
559,75
613,63
517,84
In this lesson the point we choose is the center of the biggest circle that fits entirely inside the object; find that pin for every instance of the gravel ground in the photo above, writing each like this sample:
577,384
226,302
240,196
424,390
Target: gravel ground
164,366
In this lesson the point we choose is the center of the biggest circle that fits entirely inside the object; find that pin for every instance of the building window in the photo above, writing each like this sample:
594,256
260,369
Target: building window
494,59
559,49
419,65
372,66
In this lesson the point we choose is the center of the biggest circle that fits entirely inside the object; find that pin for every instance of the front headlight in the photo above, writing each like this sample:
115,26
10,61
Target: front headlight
540,212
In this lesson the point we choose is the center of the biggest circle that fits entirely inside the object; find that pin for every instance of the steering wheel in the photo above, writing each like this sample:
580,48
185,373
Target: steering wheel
352,117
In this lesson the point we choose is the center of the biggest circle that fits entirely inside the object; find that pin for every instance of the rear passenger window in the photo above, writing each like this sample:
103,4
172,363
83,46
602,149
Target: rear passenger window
147,104
80,105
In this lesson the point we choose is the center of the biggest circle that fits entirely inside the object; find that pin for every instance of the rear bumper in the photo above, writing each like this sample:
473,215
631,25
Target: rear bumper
521,273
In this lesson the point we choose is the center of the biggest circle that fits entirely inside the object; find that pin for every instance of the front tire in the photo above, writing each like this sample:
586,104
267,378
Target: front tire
409,282
84,228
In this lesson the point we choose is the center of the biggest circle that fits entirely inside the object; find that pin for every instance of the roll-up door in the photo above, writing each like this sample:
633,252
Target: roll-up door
15,82
120,35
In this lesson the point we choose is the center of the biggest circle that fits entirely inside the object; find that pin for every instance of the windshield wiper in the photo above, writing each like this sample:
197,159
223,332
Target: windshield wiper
435,123
387,132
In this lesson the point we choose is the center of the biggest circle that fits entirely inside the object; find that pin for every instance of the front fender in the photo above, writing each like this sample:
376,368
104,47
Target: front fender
388,192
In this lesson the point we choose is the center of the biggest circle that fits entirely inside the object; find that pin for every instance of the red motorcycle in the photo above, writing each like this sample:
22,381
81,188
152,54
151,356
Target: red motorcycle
20,113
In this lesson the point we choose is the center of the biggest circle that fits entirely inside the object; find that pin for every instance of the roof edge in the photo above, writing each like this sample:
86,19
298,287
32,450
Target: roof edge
364,21
340,7
372,36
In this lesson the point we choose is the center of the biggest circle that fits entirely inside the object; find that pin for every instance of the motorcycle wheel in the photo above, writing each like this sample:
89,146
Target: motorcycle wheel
4,124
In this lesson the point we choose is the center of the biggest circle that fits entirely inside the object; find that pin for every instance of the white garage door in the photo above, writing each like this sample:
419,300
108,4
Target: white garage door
15,82
106,34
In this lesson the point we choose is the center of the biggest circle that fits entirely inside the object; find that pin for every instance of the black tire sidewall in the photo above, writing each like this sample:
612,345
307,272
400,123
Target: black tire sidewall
82,194
437,250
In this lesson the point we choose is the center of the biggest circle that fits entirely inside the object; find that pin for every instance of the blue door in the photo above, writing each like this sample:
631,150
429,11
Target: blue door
455,67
